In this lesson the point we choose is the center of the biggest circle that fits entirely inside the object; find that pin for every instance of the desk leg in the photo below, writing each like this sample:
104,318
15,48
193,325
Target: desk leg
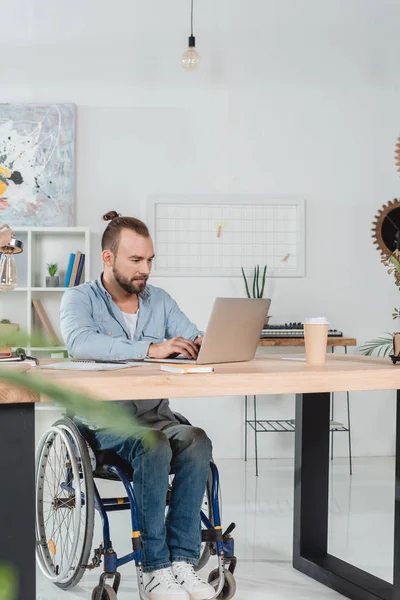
311,485
17,497
311,475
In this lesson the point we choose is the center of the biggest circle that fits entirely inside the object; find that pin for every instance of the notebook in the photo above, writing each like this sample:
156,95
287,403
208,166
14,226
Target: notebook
89,366
186,369
28,360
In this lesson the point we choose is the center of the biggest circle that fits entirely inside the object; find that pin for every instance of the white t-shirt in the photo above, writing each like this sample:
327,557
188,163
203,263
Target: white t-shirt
131,322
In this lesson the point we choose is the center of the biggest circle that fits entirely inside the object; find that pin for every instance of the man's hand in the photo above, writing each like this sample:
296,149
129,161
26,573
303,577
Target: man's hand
173,347
199,340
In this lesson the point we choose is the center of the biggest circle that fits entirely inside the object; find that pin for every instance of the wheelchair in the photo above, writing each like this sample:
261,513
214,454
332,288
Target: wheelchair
67,498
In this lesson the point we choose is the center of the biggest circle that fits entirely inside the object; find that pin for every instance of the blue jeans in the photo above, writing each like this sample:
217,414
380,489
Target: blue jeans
186,452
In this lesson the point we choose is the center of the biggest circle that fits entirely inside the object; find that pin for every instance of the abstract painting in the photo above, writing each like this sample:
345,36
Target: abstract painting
37,164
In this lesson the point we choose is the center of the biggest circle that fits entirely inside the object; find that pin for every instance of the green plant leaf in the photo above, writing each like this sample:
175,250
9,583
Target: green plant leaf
245,282
263,281
8,582
395,262
382,346
258,276
52,268
105,414
254,282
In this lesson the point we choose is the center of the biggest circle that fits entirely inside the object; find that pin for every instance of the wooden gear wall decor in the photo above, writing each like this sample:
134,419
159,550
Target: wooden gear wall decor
386,228
397,154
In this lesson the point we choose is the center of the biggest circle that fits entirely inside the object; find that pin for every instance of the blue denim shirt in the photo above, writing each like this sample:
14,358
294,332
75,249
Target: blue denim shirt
93,326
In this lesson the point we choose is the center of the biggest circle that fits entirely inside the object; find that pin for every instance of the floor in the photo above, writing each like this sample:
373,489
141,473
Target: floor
361,530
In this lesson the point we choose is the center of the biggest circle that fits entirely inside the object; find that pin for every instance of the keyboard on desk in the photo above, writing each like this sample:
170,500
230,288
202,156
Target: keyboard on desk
291,330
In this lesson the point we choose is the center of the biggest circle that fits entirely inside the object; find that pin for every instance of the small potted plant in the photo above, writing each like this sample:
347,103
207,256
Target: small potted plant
53,279
383,346
6,327
258,285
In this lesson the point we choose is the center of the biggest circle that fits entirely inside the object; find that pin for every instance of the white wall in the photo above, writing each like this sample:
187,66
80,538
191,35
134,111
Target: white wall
293,97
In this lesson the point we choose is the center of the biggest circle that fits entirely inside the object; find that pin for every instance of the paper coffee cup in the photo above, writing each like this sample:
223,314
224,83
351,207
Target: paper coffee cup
316,321
316,339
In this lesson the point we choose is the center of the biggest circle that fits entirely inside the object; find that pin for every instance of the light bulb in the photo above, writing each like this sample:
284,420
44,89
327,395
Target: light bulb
191,58
8,272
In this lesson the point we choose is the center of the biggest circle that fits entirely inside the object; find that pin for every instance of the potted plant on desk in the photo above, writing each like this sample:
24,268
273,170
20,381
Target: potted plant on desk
258,286
383,346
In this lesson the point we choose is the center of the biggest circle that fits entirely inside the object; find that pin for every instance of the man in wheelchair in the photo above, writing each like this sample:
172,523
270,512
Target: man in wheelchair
119,316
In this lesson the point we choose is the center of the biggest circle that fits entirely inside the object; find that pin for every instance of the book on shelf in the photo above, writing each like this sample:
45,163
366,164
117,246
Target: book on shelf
80,269
69,269
45,321
75,268
186,369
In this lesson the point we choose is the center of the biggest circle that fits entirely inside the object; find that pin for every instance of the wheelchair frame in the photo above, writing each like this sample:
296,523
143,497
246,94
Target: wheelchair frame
217,543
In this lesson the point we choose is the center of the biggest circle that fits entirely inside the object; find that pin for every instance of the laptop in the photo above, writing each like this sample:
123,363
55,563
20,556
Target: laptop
232,334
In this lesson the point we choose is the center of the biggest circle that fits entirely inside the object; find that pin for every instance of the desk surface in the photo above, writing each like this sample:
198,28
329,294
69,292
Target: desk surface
264,375
291,341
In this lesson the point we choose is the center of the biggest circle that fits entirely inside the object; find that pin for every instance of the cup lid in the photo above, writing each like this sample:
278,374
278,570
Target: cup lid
316,321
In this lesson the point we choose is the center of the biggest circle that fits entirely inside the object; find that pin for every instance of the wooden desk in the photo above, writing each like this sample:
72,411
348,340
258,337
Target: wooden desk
292,341
265,375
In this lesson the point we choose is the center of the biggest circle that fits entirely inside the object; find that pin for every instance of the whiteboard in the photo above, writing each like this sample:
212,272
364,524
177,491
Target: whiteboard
216,235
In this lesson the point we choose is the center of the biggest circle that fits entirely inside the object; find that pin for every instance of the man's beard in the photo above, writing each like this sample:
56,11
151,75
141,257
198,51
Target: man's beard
129,285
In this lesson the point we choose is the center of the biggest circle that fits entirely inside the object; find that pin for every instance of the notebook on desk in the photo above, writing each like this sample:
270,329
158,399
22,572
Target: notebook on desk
232,334
88,366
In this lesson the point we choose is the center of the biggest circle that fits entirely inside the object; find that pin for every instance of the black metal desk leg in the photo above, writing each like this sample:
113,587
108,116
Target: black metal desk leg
17,496
310,534
311,476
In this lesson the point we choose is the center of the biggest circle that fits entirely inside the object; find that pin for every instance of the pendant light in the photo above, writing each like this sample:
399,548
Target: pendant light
191,58
8,268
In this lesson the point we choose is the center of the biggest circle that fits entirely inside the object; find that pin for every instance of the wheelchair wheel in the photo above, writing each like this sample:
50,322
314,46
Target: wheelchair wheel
108,593
229,589
64,504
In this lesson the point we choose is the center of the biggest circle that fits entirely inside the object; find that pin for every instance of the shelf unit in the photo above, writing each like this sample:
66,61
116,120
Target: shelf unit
43,245
288,425
285,425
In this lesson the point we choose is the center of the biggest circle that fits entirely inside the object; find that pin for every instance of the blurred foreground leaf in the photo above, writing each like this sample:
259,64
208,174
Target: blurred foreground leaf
8,582
109,415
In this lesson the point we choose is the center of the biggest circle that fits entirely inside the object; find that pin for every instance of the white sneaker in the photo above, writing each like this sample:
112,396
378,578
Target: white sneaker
191,582
162,585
